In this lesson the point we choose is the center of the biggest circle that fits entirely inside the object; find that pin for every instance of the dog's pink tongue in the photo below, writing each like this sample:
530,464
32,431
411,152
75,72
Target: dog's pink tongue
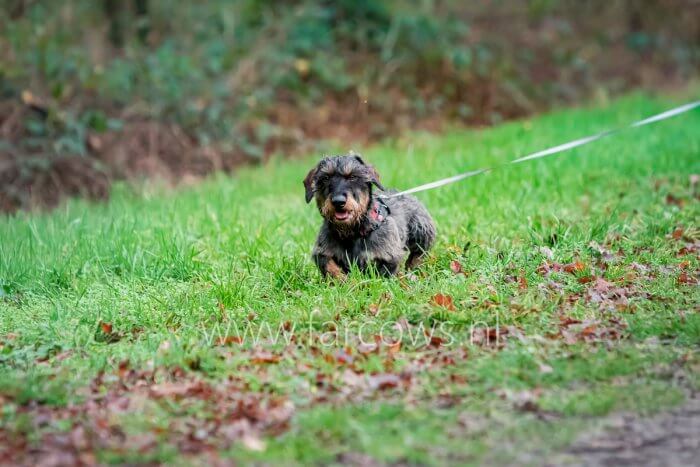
341,215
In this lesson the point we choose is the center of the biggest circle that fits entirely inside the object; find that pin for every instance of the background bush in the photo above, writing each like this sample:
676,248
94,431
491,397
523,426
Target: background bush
117,88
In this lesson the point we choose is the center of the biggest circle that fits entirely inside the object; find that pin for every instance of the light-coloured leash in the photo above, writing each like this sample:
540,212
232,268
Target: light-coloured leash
550,151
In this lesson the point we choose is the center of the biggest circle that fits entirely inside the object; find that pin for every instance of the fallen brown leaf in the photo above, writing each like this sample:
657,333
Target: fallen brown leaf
228,340
444,301
673,200
547,267
106,334
393,347
565,321
436,341
489,336
576,266
344,357
456,267
573,330
263,357
522,282
589,330
384,381
684,278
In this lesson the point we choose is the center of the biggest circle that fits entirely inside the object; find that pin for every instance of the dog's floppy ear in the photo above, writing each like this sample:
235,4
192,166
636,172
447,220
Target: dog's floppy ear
310,184
374,177
357,157
371,171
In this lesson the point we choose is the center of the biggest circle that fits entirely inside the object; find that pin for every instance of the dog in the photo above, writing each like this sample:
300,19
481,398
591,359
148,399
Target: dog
360,228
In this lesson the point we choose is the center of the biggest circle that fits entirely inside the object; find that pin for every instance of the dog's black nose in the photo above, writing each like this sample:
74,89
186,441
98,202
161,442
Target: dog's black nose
339,201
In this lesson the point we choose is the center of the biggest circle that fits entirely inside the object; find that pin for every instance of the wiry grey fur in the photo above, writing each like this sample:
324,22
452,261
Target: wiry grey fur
407,227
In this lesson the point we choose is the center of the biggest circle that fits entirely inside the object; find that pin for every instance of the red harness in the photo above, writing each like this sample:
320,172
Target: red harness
377,215
374,213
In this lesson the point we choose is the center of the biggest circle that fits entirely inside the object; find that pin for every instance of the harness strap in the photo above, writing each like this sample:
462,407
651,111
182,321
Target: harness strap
378,214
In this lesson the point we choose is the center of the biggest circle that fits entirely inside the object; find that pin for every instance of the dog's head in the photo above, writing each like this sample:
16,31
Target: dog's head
342,186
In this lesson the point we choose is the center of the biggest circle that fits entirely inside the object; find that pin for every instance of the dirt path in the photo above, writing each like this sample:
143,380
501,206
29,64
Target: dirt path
670,439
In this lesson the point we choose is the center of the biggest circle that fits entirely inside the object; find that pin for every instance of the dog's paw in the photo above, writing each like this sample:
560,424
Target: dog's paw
335,272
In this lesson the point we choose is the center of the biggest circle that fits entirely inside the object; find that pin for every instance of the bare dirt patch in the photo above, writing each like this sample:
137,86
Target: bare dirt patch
670,438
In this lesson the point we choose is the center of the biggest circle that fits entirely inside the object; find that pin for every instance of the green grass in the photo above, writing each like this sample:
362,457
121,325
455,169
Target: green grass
174,271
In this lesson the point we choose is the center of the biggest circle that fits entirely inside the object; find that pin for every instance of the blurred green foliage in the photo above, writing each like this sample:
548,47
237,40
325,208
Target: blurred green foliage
244,76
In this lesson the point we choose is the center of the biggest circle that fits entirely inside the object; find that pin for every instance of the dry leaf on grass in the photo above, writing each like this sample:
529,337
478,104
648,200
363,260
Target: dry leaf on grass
456,267
443,300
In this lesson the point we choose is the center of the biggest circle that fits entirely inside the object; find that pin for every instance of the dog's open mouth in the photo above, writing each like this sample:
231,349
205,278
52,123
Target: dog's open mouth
341,215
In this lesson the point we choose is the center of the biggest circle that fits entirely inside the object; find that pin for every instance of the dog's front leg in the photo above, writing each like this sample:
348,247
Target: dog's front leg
329,267
387,268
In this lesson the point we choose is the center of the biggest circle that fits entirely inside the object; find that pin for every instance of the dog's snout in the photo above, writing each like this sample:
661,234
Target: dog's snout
339,201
